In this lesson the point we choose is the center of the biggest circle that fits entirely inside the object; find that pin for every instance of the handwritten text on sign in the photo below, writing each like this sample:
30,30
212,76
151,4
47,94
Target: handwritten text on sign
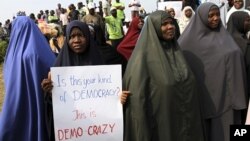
86,103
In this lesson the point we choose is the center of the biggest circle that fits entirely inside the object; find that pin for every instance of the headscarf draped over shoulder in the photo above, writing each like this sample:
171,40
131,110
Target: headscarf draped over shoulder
127,45
217,63
163,91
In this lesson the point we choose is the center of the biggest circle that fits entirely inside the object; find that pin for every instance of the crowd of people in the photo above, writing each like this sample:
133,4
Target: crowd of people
184,79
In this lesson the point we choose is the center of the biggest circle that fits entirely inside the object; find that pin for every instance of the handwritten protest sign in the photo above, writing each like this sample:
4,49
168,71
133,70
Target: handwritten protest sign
86,103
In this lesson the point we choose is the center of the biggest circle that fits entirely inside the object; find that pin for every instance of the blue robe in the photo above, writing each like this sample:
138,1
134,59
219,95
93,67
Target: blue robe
27,63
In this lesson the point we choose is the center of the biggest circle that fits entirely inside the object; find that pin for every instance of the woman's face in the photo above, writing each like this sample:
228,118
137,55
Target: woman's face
77,41
168,29
238,4
214,18
247,24
188,13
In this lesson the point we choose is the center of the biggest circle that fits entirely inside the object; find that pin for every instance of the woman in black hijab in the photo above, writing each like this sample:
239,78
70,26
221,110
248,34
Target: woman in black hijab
218,65
163,104
238,26
79,49
76,53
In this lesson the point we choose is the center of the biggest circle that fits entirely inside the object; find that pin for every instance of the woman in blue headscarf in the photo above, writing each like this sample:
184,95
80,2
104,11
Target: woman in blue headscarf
27,62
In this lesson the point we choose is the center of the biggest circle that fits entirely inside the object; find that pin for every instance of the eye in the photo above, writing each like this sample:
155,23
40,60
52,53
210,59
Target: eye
77,35
169,22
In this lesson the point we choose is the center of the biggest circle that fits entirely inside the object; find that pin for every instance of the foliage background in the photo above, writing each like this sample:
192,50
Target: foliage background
3,47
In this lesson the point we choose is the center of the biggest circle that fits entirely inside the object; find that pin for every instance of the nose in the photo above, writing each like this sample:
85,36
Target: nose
216,18
77,38
171,26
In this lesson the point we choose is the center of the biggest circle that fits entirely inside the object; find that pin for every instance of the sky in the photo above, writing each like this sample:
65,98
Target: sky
9,8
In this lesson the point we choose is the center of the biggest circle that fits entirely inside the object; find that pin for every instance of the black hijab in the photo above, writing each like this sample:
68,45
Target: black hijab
235,27
108,53
90,56
163,89
217,63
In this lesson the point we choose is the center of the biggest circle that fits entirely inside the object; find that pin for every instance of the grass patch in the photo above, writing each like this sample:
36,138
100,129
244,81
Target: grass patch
1,87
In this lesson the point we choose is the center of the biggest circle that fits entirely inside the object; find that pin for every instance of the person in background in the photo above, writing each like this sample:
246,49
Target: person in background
142,12
7,26
42,15
53,18
80,8
73,14
238,26
27,61
163,104
239,5
33,17
39,18
114,28
128,43
100,9
106,5
134,5
119,6
218,66
58,10
64,21
93,17
46,16
186,15
2,32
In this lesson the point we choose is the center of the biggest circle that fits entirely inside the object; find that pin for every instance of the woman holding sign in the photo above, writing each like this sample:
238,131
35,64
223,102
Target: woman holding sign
164,103
78,50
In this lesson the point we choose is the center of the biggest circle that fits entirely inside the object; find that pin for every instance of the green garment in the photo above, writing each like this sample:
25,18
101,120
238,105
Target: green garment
53,19
120,13
114,27
164,103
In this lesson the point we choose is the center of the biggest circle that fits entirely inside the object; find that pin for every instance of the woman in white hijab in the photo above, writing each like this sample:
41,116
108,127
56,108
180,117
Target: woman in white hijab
239,5
186,14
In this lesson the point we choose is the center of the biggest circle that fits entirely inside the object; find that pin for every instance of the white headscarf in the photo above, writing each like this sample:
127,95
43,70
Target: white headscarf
233,9
184,20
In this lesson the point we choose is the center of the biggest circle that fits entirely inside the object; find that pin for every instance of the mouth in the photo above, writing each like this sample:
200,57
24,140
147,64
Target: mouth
77,47
170,33
215,24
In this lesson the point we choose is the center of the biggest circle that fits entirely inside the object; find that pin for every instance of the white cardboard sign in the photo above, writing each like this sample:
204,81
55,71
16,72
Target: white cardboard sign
86,104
